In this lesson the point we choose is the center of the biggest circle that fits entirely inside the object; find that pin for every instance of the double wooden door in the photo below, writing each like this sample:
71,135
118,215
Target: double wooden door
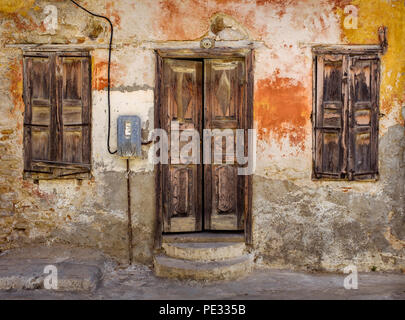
201,188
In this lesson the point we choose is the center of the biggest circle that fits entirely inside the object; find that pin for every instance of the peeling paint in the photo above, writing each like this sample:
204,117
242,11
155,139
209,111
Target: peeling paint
100,74
16,87
114,14
178,22
282,107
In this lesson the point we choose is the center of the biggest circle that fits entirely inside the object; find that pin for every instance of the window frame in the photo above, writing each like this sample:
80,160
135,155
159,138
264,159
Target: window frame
348,53
57,169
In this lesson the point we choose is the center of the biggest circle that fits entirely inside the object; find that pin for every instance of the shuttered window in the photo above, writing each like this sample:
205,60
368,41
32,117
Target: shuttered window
57,95
345,116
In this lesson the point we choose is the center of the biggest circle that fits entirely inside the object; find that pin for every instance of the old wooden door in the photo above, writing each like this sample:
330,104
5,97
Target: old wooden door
203,196
223,113
182,110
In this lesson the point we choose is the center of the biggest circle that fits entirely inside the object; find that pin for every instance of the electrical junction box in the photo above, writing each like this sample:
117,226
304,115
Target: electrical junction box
129,136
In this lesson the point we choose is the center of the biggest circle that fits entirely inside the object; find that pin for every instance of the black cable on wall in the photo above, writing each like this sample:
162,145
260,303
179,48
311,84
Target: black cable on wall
109,69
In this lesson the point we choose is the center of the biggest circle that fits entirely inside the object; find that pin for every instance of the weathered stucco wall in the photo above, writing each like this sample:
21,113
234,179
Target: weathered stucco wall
298,223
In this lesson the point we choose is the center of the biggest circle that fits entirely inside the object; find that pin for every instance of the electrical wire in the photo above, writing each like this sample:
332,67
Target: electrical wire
109,70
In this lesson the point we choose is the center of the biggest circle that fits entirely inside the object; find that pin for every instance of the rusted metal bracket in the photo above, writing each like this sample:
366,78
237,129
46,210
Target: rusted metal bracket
382,37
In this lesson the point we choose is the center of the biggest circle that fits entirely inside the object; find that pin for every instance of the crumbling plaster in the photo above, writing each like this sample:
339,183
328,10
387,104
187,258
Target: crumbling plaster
298,223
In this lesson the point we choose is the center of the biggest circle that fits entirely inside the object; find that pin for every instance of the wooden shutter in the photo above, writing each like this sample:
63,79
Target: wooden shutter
329,118
73,78
57,96
363,118
40,111
225,84
181,103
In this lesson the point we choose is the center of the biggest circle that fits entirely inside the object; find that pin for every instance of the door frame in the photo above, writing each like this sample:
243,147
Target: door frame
216,53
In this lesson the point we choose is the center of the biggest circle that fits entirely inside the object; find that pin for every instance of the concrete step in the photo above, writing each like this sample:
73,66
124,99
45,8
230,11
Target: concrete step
204,251
228,269
204,237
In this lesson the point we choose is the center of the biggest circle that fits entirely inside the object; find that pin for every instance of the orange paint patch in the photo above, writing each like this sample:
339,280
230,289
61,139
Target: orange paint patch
24,23
114,15
16,87
346,189
282,4
34,191
282,109
100,75
183,20
339,3
176,21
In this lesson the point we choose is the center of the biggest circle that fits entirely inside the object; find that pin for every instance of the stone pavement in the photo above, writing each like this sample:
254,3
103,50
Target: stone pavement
88,274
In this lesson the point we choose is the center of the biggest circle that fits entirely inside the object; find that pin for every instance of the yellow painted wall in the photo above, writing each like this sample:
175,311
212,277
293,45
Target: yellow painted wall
371,15
16,6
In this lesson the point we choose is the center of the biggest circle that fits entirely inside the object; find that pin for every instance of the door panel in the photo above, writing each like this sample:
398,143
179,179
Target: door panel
224,99
181,110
